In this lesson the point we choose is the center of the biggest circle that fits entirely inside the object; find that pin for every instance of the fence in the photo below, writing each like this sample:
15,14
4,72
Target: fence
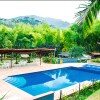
81,89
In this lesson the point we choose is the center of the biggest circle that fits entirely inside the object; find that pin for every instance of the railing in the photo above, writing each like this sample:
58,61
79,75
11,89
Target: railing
77,92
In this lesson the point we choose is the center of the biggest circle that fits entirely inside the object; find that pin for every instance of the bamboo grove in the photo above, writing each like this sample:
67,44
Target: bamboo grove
42,35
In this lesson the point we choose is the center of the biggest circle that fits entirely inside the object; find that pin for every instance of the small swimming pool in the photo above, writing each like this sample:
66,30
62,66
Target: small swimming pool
52,80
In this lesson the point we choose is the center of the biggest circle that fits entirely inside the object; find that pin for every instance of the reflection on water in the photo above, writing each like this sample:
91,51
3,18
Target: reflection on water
56,73
73,75
59,81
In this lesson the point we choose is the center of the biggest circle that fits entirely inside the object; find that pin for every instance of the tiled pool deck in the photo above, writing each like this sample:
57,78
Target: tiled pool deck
17,94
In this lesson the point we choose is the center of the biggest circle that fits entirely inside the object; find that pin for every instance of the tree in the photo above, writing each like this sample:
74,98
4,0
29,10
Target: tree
5,41
24,37
67,39
88,14
38,40
76,51
90,41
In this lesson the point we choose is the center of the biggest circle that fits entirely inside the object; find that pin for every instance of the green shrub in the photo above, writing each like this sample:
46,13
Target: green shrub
49,59
96,60
46,59
54,60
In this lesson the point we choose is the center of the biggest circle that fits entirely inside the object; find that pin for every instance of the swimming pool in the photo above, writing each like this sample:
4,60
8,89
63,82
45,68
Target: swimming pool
51,80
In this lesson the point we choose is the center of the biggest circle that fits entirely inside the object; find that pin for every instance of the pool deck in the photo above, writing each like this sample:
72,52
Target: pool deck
14,93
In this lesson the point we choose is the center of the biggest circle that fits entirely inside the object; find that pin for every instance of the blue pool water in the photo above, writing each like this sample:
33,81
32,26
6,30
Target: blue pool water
91,67
52,80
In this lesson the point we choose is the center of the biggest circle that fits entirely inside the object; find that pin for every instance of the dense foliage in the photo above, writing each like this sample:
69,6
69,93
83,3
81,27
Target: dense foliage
42,35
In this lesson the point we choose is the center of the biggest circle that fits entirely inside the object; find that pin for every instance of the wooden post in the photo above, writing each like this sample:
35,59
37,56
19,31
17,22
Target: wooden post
29,58
60,94
40,57
4,56
93,84
11,60
16,58
79,88
54,52
1,57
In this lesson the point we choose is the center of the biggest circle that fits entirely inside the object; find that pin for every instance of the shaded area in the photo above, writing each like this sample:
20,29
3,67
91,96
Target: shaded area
38,51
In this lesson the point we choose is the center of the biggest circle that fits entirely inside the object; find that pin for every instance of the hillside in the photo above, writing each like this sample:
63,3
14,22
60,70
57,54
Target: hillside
34,20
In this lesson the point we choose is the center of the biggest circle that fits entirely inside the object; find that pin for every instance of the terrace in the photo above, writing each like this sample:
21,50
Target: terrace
17,94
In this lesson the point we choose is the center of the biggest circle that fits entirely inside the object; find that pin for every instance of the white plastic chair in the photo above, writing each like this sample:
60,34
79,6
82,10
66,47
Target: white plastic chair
5,65
87,56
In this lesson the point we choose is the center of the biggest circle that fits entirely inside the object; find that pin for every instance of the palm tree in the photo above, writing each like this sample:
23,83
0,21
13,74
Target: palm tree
88,13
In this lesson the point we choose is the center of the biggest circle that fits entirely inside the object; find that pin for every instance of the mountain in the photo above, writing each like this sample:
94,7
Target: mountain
34,20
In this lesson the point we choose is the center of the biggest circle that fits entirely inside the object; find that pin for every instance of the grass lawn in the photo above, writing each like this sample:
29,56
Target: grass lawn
94,96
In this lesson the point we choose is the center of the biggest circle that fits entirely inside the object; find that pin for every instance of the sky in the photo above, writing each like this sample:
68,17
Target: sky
64,10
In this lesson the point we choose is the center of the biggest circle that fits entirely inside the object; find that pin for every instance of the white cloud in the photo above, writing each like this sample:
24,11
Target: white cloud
55,9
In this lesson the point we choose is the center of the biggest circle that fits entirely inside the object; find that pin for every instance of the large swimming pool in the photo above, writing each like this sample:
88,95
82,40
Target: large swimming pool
52,80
